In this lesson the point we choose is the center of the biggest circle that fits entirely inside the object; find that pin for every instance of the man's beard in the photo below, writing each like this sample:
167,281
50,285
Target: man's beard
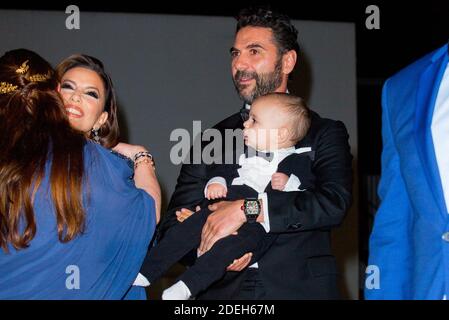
265,83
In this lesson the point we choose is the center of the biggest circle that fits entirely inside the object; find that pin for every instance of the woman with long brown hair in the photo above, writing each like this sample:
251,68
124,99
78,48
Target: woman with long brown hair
72,225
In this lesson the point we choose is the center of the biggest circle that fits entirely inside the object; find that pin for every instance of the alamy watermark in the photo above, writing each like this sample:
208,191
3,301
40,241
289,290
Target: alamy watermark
73,281
372,280
372,22
74,19
215,146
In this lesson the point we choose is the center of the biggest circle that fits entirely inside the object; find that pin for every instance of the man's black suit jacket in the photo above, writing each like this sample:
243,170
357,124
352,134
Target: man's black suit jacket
300,264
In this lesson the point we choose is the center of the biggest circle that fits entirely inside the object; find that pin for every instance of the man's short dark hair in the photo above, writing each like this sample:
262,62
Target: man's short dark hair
285,34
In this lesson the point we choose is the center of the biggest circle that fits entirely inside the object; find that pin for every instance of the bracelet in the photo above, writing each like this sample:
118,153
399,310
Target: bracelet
146,160
142,154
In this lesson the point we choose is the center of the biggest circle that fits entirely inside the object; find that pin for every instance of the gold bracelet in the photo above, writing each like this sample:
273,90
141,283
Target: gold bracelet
144,160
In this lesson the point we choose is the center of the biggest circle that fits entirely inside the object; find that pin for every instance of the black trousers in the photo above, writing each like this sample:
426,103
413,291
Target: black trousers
211,266
252,287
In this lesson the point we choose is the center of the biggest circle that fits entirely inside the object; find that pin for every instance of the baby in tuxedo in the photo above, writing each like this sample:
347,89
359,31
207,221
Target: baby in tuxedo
277,122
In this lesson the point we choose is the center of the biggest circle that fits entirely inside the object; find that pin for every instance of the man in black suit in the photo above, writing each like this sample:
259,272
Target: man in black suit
299,265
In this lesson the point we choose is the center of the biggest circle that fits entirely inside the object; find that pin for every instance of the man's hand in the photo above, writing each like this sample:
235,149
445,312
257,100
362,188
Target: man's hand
184,213
226,219
240,264
216,191
278,181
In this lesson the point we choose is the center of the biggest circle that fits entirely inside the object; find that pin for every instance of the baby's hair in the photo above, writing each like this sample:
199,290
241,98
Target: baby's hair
297,111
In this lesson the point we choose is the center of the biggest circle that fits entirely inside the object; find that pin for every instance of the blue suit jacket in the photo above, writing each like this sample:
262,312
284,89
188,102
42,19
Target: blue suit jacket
406,242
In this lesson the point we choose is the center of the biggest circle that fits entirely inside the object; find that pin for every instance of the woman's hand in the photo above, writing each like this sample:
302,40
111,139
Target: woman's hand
144,174
129,150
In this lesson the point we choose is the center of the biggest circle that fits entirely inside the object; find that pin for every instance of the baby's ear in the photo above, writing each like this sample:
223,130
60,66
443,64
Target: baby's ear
283,134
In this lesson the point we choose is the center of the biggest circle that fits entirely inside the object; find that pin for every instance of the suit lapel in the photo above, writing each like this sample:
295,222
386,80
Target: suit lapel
429,84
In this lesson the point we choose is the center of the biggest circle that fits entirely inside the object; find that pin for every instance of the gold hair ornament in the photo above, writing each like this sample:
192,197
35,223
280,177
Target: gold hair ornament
23,68
6,87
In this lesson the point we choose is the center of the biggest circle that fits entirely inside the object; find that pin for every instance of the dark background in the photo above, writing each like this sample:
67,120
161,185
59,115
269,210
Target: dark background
408,30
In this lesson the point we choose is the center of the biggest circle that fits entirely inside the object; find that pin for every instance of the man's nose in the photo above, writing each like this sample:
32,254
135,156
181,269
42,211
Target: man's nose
241,63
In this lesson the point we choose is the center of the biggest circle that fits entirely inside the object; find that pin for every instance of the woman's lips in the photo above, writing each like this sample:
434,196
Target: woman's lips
74,111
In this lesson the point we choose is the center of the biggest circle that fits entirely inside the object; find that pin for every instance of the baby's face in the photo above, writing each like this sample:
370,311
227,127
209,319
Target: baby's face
261,130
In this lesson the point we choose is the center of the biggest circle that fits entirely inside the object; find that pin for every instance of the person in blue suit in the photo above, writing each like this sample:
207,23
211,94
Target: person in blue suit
409,244
73,225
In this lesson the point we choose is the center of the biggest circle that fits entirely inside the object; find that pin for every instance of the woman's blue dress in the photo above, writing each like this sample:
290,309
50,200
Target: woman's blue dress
101,263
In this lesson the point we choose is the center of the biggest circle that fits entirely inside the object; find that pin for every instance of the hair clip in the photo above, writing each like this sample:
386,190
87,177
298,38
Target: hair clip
23,68
39,77
6,87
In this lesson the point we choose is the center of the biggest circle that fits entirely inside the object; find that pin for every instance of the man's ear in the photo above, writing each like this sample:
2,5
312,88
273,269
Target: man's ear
289,61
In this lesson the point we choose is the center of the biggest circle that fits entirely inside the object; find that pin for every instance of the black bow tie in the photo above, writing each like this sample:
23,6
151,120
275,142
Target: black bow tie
251,152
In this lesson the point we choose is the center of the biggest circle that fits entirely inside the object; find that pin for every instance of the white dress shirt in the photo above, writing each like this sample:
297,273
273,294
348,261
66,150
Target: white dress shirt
440,133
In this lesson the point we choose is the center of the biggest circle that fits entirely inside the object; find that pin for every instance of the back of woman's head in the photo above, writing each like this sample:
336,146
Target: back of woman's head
27,93
34,129
109,131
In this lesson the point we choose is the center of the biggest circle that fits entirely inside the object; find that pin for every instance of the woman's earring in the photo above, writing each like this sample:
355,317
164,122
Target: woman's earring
96,135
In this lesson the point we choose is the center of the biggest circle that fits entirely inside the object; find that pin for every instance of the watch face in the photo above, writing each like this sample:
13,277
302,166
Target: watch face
252,207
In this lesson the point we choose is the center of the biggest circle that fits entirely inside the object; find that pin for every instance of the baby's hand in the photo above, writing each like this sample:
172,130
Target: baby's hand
279,180
216,191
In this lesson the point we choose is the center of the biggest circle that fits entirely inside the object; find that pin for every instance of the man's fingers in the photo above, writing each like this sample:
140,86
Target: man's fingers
210,243
183,214
215,206
240,264
204,232
209,238
206,241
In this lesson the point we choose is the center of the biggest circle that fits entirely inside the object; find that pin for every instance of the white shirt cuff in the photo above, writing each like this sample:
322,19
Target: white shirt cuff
141,281
266,218
219,180
292,184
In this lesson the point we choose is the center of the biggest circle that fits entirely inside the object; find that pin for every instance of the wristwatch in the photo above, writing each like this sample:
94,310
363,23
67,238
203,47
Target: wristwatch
252,208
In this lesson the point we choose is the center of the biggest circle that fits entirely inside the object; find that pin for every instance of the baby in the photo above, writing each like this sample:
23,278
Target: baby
277,122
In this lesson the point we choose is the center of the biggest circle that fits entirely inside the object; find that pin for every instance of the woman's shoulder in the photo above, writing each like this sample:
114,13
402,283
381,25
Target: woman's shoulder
100,161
